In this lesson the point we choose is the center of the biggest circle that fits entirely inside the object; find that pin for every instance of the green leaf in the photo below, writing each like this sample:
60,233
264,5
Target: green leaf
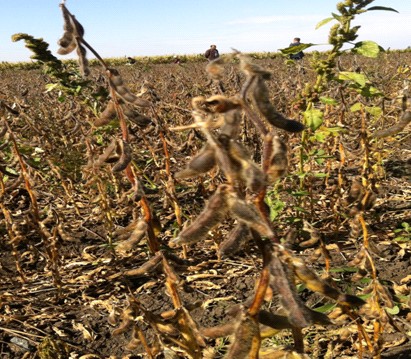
323,22
393,311
328,100
375,111
369,91
319,136
314,118
360,79
335,16
51,87
336,129
276,207
325,308
367,49
295,49
402,239
11,170
344,270
382,8
356,107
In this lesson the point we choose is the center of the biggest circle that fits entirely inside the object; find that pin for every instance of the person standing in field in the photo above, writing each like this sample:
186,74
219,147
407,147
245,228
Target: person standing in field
298,55
212,53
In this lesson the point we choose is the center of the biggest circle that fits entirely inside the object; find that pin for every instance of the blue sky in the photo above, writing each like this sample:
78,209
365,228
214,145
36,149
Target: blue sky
117,28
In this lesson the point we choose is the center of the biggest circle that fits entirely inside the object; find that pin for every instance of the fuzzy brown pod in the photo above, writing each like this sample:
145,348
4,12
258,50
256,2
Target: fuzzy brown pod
279,322
104,157
356,192
127,320
314,236
215,68
201,163
260,99
278,161
148,267
398,127
228,165
159,324
125,157
135,341
216,104
235,240
198,103
82,60
385,295
212,215
221,104
135,117
70,23
251,174
189,330
248,214
71,39
107,115
218,331
247,340
66,42
117,84
251,69
232,124
274,321
314,283
281,283
3,131
135,237
368,201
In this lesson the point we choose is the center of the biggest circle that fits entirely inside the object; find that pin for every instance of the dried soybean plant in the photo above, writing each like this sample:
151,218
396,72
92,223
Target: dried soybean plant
30,216
124,105
241,198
